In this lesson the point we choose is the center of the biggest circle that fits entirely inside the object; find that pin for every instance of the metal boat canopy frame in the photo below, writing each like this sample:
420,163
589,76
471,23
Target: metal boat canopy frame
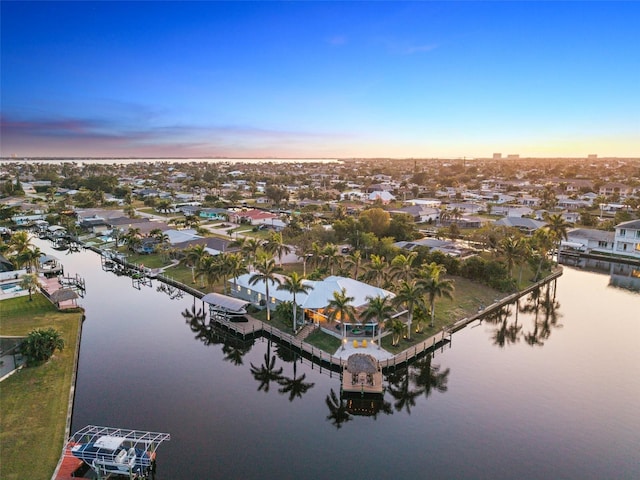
143,440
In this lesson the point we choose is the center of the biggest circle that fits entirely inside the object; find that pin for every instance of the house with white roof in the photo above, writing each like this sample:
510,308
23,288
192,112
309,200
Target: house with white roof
512,211
315,301
382,196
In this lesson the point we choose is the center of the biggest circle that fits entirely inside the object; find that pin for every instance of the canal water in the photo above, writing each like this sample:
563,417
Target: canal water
553,392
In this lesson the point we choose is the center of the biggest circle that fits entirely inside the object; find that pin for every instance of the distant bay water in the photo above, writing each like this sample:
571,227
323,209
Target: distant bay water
124,161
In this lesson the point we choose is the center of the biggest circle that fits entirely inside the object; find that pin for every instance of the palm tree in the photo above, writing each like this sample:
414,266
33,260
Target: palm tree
276,246
541,243
194,255
251,248
29,257
224,265
354,259
402,266
380,308
315,258
133,239
558,228
31,283
456,214
513,251
209,271
236,267
191,221
409,294
294,284
433,269
376,270
434,288
330,256
397,328
340,308
20,242
266,269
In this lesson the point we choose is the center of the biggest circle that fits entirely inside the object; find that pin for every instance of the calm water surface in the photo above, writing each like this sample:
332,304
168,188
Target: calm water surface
507,400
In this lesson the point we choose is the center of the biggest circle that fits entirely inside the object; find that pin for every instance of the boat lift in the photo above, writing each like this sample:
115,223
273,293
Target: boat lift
138,439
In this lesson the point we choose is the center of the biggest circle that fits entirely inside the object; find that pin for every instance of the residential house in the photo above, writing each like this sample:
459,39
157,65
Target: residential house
448,247
313,302
525,225
381,196
615,189
512,211
419,213
214,213
252,217
213,245
464,207
627,238
590,240
426,202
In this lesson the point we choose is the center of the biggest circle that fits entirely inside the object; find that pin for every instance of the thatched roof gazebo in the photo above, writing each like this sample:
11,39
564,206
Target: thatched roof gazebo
64,298
361,363
362,373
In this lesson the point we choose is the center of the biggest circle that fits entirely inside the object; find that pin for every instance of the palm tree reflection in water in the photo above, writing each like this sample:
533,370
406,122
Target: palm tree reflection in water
267,372
508,333
338,413
295,386
233,348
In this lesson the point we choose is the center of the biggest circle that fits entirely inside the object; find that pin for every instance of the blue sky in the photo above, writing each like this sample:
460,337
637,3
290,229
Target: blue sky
320,79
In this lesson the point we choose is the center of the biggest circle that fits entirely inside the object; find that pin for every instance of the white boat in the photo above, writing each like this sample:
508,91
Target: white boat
113,454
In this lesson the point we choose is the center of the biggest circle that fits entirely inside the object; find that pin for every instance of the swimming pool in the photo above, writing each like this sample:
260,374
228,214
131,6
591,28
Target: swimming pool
11,287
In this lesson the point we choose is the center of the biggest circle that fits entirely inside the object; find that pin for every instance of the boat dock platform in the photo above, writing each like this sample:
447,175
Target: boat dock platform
101,460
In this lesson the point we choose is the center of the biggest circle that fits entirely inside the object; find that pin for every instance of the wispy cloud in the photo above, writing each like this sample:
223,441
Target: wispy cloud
104,137
337,40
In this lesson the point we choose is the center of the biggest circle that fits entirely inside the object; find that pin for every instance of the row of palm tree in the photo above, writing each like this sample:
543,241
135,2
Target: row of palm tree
416,289
516,250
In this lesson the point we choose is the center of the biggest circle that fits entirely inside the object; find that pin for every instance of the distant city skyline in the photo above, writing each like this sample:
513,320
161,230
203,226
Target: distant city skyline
319,79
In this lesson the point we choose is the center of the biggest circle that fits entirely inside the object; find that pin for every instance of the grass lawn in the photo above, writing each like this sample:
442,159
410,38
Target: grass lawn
467,297
35,400
152,260
324,341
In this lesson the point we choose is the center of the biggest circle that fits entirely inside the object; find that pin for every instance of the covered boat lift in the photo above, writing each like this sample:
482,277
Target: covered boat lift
223,306
138,439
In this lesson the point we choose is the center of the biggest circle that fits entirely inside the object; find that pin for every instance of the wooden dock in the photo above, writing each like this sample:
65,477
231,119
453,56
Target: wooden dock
69,465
